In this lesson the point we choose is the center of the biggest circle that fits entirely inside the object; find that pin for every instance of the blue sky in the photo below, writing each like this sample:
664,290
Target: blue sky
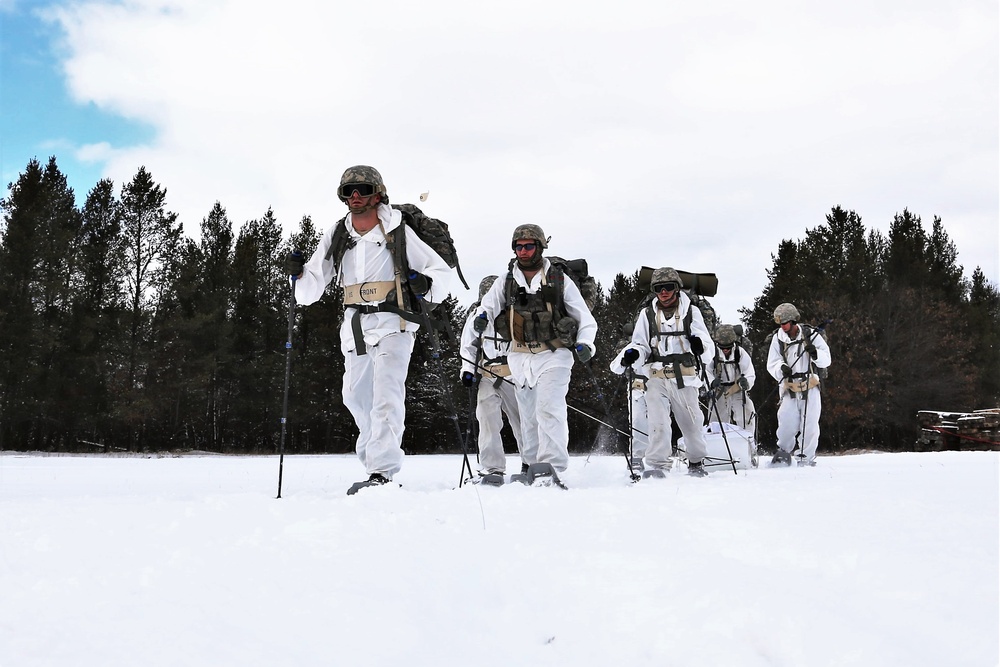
671,133
39,117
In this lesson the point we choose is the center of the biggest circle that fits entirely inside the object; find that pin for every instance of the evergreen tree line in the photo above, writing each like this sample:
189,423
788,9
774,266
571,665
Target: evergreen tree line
118,332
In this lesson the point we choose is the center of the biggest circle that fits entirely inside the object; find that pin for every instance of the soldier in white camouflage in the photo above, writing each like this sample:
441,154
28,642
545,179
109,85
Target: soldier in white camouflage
543,338
375,340
485,366
796,354
735,373
671,340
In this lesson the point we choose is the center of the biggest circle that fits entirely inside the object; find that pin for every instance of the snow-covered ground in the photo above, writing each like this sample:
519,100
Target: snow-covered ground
874,559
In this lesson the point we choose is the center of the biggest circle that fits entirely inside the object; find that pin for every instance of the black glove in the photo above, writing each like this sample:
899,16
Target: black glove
630,357
479,324
811,349
294,263
583,353
419,283
468,379
744,384
786,371
696,345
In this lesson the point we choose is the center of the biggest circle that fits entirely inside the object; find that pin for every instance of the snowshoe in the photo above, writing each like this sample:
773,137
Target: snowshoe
697,469
781,458
376,479
637,464
543,474
655,473
806,463
491,478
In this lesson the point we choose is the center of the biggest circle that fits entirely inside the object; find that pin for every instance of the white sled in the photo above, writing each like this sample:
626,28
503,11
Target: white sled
741,444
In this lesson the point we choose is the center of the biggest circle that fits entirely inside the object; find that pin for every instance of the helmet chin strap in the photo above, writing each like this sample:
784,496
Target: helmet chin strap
534,263
367,207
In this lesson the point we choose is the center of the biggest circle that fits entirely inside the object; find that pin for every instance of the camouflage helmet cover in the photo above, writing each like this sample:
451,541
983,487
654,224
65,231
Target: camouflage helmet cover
361,173
665,275
725,335
485,284
529,233
786,312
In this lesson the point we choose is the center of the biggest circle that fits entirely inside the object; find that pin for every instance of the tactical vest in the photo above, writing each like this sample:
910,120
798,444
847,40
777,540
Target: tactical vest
676,360
539,317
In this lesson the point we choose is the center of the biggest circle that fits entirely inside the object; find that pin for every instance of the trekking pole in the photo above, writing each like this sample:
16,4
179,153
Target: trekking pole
473,428
805,415
630,376
714,405
571,407
607,412
288,376
431,330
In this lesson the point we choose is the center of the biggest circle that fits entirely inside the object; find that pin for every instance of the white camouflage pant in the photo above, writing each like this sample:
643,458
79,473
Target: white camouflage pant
492,399
545,433
736,409
375,395
662,398
640,424
798,422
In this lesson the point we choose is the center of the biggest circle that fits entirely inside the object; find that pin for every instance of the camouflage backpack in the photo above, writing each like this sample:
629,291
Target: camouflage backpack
431,231
579,273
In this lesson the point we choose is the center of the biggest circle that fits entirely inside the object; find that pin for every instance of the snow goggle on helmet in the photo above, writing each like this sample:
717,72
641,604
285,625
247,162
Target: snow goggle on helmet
363,189
669,286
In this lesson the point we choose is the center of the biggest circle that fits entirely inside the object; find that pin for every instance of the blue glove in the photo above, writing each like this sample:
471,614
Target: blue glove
630,357
419,283
583,353
479,324
294,263
468,379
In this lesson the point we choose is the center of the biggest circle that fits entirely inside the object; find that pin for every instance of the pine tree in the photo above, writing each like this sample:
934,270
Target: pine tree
39,251
151,236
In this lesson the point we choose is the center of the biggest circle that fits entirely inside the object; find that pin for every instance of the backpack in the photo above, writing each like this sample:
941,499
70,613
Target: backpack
697,286
431,231
579,273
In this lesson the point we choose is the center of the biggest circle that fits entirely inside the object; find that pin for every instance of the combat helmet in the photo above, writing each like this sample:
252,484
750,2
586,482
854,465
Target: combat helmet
786,312
529,233
725,335
485,284
362,174
665,275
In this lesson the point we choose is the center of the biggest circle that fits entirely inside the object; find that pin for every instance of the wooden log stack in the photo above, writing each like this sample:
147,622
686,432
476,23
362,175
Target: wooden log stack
958,430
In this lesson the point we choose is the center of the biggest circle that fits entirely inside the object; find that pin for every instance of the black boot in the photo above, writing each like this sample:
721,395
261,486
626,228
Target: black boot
697,469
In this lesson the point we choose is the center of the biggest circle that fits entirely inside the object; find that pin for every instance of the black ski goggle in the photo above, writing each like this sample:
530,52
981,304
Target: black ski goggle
363,189
665,287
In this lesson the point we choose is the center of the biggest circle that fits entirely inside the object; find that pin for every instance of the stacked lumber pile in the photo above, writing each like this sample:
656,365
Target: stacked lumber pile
959,430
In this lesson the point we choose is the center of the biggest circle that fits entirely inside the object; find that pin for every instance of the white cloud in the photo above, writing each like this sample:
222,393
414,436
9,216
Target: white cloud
691,134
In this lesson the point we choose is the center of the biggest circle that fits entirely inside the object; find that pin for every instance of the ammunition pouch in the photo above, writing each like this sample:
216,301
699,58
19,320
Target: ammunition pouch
566,330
